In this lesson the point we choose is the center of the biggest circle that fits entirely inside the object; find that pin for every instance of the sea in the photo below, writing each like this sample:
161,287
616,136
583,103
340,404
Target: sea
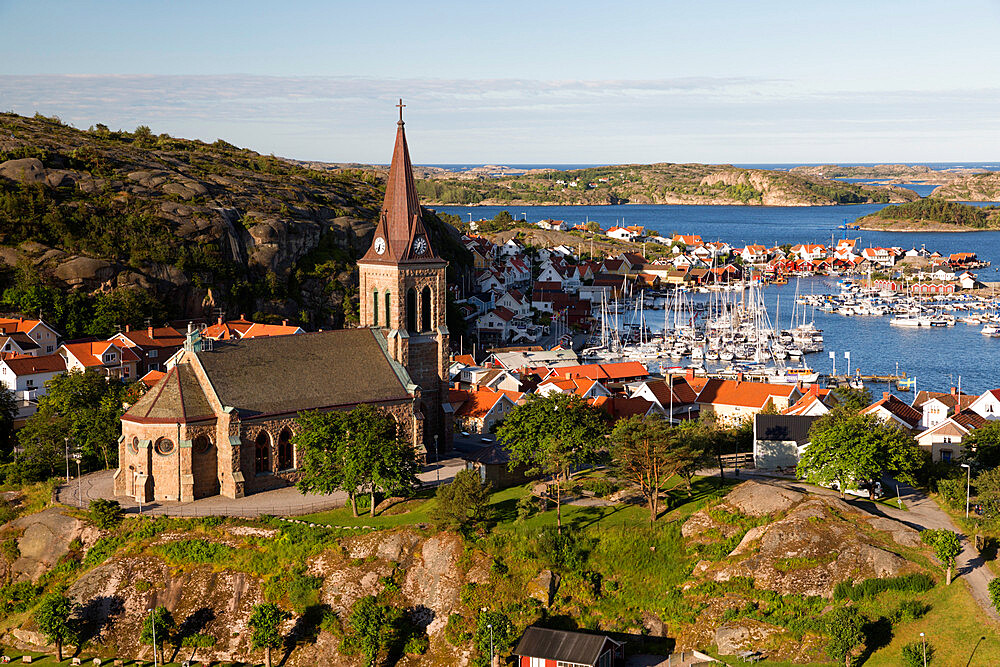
939,358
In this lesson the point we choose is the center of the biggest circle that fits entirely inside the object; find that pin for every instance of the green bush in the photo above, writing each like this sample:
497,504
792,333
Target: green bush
908,610
994,587
198,641
198,552
458,631
913,654
416,644
106,514
952,492
102,550
907,583
602,488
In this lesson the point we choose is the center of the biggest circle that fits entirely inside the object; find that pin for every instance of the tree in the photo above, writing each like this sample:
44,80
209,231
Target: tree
854,400
266,620
553,434
53,619
947,546
84,407
994,588
648,451
845,627
988,493
353,452
982,446
370,628
162,622
8,410
852,449
105,514
463,502
593,226
503,635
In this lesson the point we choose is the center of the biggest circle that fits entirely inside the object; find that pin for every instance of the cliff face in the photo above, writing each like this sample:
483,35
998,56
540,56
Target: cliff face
719,185
973,187
200,225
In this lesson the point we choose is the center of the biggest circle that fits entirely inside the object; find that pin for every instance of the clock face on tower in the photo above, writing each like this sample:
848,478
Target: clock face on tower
419,245
379,245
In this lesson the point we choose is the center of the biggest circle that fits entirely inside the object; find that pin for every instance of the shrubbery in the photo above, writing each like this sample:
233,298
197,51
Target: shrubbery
105,514
907,583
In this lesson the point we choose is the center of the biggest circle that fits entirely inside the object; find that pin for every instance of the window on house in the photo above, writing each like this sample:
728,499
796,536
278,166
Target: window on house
48,348
286,458
153,354
31,383
536,662
946,439
946,455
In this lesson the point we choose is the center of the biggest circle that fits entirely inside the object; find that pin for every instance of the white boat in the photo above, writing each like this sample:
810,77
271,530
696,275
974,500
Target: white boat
906,321
991,330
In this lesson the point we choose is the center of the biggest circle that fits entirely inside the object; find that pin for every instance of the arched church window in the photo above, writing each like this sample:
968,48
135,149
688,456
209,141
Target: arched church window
388,320
425,309
134,445
262,454
411,310
164,446
286,456
375,308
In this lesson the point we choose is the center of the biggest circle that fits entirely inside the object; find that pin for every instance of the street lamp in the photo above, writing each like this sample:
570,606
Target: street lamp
67,459
79,483
153,625
437,457
923,640
490,626
968,485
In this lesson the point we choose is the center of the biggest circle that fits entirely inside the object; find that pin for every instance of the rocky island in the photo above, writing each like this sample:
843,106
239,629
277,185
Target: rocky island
933,215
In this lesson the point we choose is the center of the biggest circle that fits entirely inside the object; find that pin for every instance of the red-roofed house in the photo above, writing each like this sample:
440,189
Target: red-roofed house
944,440
26,376
622,233
733,401
626,371
987,406
258,330
754,254
618,407
152,345
891,409
679,404
494,326
231,330
816,402
477,411
41,333
583,387
113,360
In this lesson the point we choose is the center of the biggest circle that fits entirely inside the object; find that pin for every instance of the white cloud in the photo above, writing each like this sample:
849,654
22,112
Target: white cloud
734,119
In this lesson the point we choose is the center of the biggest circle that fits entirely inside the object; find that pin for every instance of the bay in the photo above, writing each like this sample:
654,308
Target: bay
937,357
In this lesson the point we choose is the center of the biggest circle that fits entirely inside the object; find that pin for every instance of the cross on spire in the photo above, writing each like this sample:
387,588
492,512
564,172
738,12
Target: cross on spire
400,107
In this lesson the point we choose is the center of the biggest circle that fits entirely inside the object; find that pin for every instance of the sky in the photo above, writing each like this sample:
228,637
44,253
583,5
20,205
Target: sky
523,82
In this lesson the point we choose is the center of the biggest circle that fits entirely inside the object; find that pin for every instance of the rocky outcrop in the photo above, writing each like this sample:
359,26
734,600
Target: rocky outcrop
813,543
972,187
43,539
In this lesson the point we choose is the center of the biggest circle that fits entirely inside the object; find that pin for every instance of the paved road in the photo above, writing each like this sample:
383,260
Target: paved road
923,513
279,502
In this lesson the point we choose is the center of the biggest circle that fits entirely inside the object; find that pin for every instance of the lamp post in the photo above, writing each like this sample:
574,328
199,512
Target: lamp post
490,626
153,625
79,484
437,457
67,459
923,641
968,485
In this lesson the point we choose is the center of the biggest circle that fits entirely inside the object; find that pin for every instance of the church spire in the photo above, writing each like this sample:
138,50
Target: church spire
400,234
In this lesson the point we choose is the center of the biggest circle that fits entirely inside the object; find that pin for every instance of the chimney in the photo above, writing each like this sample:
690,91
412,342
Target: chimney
739,377
242,316
885,395
219,320
284,323
689,374
954,392
128,327
814,389
149,330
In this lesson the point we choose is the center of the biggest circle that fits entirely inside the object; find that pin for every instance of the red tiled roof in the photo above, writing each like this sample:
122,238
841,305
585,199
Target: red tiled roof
90,354
746,394
619,371
24,365
265,330
908,414
161,337
466,359
152,377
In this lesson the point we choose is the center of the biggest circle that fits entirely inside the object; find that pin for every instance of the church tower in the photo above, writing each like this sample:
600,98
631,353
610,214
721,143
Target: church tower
403,291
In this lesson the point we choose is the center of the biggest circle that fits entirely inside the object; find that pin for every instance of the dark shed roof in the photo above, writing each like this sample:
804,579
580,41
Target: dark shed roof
561,645
782,427
286,374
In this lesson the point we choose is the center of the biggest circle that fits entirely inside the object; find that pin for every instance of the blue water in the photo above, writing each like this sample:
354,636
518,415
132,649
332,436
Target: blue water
936,357
985,166
922,189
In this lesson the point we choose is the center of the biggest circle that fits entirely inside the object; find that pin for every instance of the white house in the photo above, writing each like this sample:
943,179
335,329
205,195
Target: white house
754,254
944,440
495,325
511,247
26,376
583,387
622,234
515,302
44,336
987,406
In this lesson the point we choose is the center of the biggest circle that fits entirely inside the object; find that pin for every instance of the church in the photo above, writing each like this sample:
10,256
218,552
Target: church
221,421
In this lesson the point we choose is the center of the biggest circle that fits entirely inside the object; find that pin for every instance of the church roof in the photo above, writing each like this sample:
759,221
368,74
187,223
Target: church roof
309,371
400,224
178,397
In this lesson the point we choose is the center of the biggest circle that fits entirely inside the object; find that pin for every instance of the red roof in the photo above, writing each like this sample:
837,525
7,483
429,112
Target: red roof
152,377
621,408
620,371
466,359
153,337
230,330
10,325
908,414
90,354
24,365
746,394
266,330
